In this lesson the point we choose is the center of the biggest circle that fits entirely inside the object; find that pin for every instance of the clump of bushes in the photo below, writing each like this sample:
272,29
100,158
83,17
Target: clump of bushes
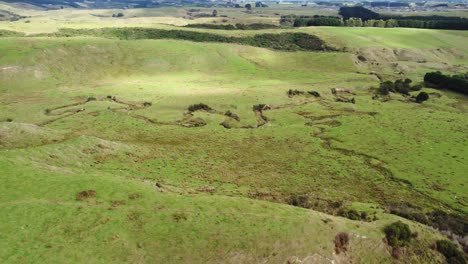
398,234
448,222
451,252
260,107
294,92
350,214
200,106
457,83
410,212
452,225
299,201
399,86
421,97
341,242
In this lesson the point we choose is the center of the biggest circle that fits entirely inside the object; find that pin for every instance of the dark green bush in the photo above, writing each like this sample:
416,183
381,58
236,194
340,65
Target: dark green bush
299,201
364,216
402,87
294,92
456,83
386,87
416,87
350,214
422,96
448,222
398,234
200,106
451,252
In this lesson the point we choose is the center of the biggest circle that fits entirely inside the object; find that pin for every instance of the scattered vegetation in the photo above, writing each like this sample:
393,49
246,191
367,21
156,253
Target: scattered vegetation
292,93
253,26
409,211
134,196
260,107
9,33
299,201
118,15
350,214
399,86
232,115
180,216
451,252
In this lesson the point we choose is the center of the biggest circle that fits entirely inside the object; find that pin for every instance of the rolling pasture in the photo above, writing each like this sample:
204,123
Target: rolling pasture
227,182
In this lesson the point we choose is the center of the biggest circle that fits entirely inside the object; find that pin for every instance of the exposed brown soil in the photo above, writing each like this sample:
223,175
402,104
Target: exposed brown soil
83,195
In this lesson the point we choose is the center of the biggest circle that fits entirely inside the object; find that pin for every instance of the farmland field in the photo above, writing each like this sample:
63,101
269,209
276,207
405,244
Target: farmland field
255,176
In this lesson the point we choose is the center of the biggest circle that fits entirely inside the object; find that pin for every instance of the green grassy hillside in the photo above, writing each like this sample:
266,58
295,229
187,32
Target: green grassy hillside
173,186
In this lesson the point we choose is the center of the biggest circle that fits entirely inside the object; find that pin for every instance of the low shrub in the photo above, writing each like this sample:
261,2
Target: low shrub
364,216
451,252
260,107
421,97
341,242
200,106
350,214
299,201
448,222
398,234
294,92
416,87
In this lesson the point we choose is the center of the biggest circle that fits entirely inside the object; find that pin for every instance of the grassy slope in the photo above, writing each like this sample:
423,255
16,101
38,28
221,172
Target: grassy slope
41,179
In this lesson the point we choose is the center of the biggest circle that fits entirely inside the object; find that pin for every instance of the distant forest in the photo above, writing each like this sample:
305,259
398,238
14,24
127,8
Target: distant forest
358,16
